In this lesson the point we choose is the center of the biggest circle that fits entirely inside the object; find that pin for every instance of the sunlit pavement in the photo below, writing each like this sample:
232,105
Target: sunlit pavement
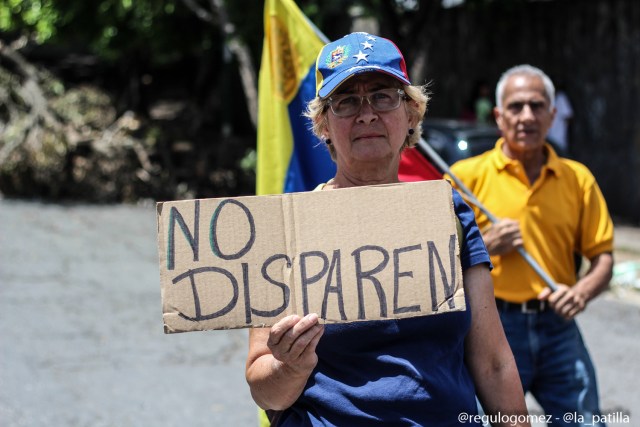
82,342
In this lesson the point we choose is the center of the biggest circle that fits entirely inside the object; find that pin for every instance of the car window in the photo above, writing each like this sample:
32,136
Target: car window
480,144
437,139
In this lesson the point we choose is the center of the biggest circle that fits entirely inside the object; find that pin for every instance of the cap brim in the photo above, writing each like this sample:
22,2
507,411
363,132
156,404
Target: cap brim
331,84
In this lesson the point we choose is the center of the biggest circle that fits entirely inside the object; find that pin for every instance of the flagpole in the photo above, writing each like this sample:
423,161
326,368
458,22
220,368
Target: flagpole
433,155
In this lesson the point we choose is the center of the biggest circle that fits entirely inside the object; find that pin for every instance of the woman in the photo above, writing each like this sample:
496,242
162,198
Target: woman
416,371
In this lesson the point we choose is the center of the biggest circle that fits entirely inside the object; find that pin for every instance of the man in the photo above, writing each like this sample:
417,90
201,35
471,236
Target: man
552,207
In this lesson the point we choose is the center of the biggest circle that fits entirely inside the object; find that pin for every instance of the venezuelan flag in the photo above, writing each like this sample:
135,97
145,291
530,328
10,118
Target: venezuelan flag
290,157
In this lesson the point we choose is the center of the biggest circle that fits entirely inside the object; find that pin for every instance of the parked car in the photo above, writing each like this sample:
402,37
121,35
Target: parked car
456,139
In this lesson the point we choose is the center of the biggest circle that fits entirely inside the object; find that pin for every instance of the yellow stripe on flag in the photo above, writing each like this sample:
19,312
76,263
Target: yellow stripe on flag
291,45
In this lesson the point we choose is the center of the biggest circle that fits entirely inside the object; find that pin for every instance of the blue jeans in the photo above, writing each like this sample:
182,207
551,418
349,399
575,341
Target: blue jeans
554,366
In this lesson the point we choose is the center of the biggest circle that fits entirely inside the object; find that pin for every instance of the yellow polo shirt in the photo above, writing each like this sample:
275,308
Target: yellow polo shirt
562,212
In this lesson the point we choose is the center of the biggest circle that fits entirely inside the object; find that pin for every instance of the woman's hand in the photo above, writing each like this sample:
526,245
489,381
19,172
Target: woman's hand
293,341
281,359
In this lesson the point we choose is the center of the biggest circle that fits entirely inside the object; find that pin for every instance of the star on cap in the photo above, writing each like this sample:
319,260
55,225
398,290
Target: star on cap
361,56
367,45
370,37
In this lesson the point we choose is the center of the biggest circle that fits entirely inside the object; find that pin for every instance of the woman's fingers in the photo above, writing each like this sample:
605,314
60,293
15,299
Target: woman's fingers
292,336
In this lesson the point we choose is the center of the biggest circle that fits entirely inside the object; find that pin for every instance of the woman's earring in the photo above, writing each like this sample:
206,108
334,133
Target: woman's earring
411,131
327,141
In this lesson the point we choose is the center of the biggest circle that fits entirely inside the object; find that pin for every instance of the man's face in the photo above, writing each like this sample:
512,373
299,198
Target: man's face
525,117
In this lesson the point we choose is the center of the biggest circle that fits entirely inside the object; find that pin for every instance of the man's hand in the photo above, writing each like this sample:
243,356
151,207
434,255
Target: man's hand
503,237
566,301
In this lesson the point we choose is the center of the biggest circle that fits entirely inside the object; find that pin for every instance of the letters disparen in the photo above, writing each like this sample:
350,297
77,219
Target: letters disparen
348,255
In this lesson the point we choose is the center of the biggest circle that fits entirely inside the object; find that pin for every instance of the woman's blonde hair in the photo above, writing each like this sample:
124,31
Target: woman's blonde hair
417,100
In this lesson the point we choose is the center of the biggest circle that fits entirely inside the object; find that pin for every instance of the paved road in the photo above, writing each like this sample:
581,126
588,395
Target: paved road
82,342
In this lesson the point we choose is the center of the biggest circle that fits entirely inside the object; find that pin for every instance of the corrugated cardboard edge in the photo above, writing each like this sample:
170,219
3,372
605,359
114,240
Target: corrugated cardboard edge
290,227
162,260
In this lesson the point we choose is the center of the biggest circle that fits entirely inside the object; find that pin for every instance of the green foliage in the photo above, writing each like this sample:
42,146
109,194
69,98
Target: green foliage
110,28
249,161
37,18
162,29
159,31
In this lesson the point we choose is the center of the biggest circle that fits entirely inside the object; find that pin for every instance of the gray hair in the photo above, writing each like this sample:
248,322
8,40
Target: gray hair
525,70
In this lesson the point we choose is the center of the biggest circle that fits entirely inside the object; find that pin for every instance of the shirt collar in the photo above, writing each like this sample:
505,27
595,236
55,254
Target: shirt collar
501,160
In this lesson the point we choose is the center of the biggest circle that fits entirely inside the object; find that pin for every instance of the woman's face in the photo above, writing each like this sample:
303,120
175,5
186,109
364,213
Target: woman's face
369,136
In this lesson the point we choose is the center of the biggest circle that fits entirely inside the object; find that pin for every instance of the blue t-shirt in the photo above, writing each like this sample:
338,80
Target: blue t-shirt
407,372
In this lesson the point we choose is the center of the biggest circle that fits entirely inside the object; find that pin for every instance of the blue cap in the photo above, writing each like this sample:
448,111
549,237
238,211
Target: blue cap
357,53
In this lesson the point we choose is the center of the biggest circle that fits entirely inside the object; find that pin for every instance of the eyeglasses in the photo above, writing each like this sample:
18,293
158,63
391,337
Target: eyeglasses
347,105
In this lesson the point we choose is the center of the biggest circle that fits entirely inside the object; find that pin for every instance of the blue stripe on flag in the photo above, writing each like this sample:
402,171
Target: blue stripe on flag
310,162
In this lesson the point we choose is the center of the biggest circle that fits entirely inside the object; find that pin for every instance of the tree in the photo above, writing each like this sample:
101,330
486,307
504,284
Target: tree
187,68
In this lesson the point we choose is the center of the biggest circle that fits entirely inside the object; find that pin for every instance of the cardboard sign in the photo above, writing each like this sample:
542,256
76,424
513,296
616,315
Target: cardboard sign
363,253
